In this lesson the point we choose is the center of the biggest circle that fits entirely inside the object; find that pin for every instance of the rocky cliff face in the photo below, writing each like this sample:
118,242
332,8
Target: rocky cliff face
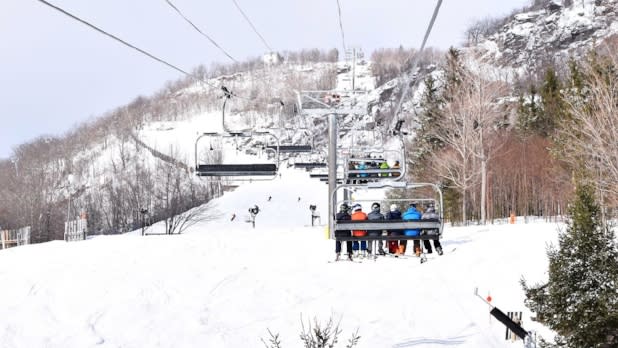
555,32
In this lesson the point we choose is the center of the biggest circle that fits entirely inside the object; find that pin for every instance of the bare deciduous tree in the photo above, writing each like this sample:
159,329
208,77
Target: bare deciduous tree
468,129
180,197
590,136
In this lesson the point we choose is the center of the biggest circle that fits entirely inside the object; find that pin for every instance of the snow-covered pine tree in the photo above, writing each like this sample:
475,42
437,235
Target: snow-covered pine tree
425,140
579,301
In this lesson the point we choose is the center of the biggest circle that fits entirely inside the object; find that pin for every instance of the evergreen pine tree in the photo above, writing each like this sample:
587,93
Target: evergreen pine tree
554,107
576,81
432,101
528,112
453,71
579,301
425,140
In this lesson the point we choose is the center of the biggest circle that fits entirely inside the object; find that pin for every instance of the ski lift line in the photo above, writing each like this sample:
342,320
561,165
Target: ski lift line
427,32
200,31
92,26
341,27
252,26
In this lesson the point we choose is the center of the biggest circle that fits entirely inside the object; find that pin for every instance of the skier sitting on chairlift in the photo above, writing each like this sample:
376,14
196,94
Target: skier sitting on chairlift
430,213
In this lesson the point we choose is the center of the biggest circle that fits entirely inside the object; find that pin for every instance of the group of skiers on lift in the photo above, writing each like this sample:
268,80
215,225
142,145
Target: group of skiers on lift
365,248
377,163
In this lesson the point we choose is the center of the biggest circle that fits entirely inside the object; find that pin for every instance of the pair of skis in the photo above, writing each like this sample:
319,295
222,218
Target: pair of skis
344,259
423,257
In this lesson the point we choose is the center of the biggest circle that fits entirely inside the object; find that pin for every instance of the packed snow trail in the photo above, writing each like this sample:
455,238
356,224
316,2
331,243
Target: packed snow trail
223,283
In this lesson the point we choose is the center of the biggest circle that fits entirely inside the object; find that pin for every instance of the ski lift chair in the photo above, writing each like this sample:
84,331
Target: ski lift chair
322,102
291,148
267,171
374,174
294,148
236,170
312,163
391,225
309,165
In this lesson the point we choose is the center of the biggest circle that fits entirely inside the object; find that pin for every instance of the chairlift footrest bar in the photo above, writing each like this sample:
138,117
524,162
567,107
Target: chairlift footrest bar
291,148
357,160
236,169
419,237
310,165
316,176
374,171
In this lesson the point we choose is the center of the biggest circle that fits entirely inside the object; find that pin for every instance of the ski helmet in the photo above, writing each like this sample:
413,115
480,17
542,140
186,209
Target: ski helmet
357,207
375,206
344,207
394,207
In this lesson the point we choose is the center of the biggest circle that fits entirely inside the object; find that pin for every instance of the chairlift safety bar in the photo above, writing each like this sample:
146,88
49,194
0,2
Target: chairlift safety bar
384,224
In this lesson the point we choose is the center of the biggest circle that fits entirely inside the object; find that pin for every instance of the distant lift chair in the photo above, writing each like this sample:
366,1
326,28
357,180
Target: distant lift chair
265,170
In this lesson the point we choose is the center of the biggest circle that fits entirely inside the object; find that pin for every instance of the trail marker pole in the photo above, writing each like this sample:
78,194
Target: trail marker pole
511,325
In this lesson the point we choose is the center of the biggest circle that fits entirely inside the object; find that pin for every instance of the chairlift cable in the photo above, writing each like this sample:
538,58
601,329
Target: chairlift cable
341,27
427,32
199,30
92,26
252,26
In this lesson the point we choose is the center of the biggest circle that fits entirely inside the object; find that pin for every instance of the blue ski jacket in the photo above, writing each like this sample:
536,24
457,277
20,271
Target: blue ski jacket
411,214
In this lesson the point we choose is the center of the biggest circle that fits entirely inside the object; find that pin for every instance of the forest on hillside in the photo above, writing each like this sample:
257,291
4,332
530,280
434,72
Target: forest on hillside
500,147
102,169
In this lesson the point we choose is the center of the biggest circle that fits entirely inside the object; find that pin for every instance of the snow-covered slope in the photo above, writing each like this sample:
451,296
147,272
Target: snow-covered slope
556,32
223,284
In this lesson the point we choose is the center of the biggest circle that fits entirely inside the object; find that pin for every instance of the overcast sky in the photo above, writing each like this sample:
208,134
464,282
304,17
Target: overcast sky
56,73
